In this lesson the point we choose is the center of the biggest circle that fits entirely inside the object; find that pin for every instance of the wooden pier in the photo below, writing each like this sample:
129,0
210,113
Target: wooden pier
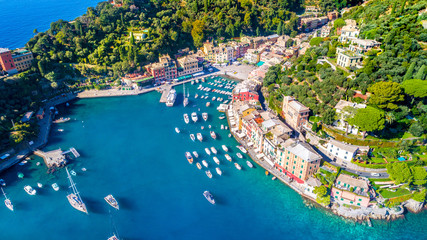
165,92
54,158
73,151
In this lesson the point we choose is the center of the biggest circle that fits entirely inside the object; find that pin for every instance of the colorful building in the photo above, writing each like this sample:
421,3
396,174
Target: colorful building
296,114
245,95
165,69
6,61
188,65
350,190
23,59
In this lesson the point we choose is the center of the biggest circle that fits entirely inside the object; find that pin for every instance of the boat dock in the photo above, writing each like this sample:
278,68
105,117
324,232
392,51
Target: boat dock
165,89
54,158
73,151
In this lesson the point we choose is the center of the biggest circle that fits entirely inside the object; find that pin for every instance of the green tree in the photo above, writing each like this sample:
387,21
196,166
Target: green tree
399,172
421,73
320,191
415,87
368,119
325,201
339,23
420,176
416,129
386,94
316,41
393,10
408,74
279,28
389,117
197,33
328,116
132,39
258,32
35,31
403,7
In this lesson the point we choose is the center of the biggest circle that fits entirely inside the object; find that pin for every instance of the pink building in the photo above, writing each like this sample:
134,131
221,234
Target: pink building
296,114
351,191
6,61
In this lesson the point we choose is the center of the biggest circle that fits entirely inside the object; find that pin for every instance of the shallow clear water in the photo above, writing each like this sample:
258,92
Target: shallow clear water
130,150
18,18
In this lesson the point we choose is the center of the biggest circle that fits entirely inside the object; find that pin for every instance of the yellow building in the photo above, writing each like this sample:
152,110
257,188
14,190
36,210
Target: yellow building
23,59
298,160
188,65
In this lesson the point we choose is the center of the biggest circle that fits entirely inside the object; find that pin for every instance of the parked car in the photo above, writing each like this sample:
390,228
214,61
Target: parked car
375,174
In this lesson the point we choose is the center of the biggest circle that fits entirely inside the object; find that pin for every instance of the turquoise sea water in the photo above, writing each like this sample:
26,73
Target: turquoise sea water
18,18
130,150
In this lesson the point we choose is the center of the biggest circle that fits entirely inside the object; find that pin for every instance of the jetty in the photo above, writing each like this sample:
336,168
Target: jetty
73,151
165,89
56,158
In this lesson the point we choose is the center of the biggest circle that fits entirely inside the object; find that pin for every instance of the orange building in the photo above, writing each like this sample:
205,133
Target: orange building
6,61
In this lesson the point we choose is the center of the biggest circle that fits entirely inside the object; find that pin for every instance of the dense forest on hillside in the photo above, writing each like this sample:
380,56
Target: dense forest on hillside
387,73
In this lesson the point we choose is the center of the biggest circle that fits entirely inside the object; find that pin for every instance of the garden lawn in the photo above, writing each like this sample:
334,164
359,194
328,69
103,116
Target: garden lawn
399,192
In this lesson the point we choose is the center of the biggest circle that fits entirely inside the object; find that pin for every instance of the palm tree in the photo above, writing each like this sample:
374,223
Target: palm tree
389,118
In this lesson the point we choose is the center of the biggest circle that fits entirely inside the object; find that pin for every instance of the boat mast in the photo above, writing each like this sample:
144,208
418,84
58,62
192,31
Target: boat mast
72,184
4,193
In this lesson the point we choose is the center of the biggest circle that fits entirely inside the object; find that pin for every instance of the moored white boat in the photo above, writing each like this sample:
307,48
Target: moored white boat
209,174
194,117
207,151
192,137
186,118
237,166
39,185
239,155
170,100
199,137
249,164
199,166
224,148
222,126
208,104
30,190
177,130
213,135
218,170
209,197
205,163
214,150
216,160
189,157
112,201
195,154
241,148
55,186
228,157
205,116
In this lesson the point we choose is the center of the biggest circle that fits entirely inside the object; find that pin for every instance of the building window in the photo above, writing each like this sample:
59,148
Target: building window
358,204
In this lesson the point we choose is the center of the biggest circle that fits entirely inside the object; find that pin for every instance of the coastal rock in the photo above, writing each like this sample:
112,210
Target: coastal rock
414,206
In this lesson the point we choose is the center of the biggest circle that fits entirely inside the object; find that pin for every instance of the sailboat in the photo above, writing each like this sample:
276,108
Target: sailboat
74,197
185,103
7,201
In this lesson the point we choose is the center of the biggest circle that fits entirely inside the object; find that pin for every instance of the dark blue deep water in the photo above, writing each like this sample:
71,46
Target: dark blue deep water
130,150
18,18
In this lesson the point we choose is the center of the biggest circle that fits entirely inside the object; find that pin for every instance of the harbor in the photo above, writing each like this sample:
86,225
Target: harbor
56,158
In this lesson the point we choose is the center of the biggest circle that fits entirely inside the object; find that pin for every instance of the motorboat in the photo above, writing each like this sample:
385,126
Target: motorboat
72,172
205,116
208,104
192,137
216,160
112,201
213,99
60,130
213,135
194,117
202,127
228,157
225,148
209,197
241,148
209,174
229,135
2,182
209,126
199,137
186,118
207,151
55,186
39,185
195,154
199,166
237,166
274,178
189,157
214,150
249,164
30,190
221,117
239,155
205,163
196,96
222,126
218,170
170,100
84,169
177,130
61,120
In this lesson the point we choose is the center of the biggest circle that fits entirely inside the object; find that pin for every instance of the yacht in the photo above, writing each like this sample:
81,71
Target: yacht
249,164
214,150
112,201
114,237
199,166
171,98
216,160
7,201
239,155
189,157
237,166
55,186
241,148
225,148
74,198
192,137
209,197
194,117
207,151
205,116
30,190
205,163
186,118
218,170
213,135
208,104
177,130
195,154
228,157
209,174
199,137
